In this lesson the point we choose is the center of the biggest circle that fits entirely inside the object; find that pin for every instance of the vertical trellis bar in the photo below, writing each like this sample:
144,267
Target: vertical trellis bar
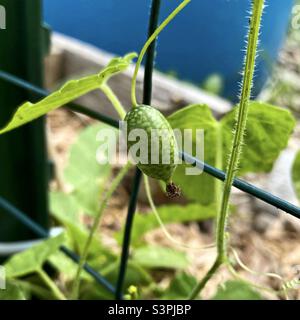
147,94
23,162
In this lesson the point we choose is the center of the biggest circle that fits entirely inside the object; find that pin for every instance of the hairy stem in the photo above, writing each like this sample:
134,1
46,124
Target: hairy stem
49,282
148,43
219,164
111,190
114,100
237,144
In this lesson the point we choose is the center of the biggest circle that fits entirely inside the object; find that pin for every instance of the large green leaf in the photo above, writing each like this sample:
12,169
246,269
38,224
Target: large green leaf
236,290
70,91
197,187
107,263
91,290
76,231
268,132
160,257
169,214
76,237
65,266
64,206
180,287
12,292
296,174
32,259
135,275
33,286
83,171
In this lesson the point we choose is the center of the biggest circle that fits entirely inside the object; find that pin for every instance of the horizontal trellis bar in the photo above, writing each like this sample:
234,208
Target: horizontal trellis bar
244,186
219,174
41,232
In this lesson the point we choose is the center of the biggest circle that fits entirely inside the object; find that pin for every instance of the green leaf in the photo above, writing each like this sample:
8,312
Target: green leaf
197,187
91,290
76,234
236,290
169,214
108,263
12,292
160,257
35,287
76,231
64,206
296,174
70,91
268,132
65,266
180,287
32,259
83,171
135,275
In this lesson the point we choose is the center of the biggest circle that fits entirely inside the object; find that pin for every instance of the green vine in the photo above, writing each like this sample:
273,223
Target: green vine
237,144
51,284
114,101
147,45
161,224
111,190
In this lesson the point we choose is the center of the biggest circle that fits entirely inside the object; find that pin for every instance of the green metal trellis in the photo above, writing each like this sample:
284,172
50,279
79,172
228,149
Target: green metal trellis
147,97
23,178
39,229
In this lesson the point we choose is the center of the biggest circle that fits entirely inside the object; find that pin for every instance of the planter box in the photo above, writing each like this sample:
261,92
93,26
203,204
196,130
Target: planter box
71,58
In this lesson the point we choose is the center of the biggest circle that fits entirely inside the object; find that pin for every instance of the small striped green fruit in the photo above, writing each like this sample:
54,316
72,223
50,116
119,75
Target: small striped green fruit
159,135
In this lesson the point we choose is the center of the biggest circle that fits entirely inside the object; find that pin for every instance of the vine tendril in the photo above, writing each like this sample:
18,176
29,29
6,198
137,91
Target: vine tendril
163,227
148,43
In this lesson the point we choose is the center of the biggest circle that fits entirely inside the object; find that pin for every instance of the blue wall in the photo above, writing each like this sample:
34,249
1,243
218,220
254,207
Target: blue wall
207,37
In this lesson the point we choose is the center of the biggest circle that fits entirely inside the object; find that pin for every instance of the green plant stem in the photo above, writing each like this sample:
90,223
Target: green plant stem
219,164
111,190
49,282
114,100
148,43
242,112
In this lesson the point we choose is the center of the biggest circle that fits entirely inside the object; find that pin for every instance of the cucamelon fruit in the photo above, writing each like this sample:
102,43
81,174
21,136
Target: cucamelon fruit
160,140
